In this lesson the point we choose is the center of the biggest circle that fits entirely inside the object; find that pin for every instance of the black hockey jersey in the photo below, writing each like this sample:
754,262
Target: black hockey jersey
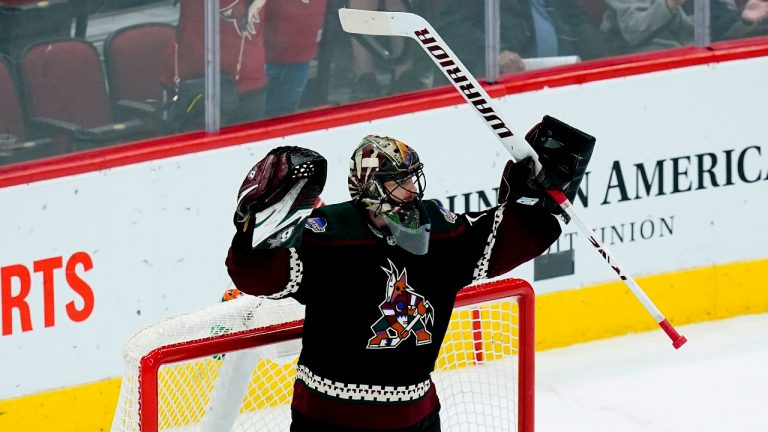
376,314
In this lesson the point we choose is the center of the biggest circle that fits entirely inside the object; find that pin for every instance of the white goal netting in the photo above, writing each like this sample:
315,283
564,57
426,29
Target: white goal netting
231,366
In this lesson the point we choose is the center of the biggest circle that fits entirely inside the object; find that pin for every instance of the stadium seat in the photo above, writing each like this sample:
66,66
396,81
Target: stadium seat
11,118
137,59
15,143
65,91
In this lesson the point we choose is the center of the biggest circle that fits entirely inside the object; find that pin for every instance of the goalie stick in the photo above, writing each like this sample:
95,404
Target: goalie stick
377,23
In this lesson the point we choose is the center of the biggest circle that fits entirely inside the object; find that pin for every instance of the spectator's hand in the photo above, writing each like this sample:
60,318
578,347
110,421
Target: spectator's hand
674,4
510,62
755,11
253,16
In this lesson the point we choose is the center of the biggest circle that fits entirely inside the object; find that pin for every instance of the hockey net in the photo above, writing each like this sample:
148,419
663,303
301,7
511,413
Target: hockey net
231,366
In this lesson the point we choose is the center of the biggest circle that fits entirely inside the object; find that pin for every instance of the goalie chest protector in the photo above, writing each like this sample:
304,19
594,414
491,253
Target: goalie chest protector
376,314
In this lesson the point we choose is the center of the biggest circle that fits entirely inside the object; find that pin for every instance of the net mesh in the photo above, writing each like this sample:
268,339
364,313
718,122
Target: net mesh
476,374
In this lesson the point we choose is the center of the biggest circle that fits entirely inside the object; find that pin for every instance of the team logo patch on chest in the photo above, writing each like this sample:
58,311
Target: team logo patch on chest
404,313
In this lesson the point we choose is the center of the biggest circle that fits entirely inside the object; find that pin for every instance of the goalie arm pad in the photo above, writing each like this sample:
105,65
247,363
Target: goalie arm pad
257,271
523,234
501,238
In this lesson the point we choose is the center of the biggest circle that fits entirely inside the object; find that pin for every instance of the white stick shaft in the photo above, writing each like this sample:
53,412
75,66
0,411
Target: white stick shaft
602,250
413,26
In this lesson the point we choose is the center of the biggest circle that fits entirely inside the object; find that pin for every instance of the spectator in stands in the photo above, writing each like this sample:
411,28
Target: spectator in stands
529,28
648,25
733,23
406,67
243,92
292,32
366,83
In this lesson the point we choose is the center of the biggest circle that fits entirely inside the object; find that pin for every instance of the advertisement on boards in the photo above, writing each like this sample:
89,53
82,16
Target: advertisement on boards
674,183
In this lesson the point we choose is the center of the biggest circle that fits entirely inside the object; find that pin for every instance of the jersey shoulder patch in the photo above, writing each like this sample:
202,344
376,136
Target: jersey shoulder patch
449,216
443,220
316,224
336,222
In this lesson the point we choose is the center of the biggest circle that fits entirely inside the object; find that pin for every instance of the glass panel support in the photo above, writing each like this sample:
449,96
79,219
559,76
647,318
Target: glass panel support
492,38
701,33
212,67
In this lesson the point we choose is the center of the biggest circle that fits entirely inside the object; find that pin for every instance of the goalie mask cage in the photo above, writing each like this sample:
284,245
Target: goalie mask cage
231,366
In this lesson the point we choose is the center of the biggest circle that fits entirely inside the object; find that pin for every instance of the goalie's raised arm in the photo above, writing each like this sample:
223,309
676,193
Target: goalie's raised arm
273,203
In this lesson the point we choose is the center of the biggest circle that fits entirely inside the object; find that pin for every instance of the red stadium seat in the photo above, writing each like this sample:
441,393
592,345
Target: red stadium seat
138,62
11,117
65,91
15,142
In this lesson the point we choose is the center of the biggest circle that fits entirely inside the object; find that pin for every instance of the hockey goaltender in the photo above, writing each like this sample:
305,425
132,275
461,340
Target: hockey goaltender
379,273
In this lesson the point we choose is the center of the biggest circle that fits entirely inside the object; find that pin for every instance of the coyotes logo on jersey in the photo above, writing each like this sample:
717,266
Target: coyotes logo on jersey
404,312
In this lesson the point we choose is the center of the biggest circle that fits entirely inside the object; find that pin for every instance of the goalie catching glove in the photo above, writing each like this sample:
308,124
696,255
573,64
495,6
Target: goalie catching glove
564,153
278,195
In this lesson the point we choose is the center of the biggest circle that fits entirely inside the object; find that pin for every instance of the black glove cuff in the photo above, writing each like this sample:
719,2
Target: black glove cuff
519,184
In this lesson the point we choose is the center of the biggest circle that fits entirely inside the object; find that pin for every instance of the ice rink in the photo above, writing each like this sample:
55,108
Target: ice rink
717,382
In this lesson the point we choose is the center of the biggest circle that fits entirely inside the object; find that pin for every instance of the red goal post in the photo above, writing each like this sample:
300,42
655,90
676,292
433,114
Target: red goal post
231,366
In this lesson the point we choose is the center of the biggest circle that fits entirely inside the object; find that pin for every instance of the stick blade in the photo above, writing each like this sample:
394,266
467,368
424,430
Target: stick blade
378,23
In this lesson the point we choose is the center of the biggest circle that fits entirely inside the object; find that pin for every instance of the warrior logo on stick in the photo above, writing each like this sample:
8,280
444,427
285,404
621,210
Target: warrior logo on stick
404,312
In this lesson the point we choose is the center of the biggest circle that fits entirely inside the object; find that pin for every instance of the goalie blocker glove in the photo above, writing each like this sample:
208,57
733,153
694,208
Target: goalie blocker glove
278,195
564,153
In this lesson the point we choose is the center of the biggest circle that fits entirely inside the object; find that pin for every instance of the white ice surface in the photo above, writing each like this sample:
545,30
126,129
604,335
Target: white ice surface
717,382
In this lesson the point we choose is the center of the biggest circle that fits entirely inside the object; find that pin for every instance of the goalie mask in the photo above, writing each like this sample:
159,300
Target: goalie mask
387,177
